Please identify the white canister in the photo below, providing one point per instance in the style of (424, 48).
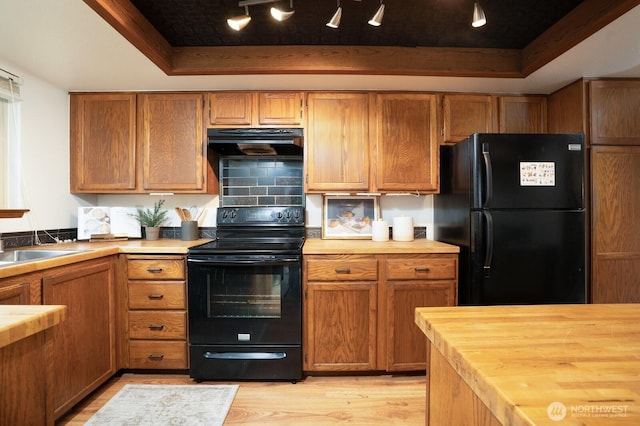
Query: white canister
(379, 230)
(403, 228)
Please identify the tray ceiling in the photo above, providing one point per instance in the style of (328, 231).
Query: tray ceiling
(417, 37)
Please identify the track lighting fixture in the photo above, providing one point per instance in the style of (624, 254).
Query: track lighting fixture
(335, 19)
(282, 15)
(239, 22)
(479, 18)
(377, 18)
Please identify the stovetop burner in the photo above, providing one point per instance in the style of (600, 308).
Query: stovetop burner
(256, 230)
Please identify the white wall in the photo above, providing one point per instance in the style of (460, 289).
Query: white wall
(45, 158)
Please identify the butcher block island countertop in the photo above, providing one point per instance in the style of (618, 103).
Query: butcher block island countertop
(20, 321)
(417, 246)
(533, 365)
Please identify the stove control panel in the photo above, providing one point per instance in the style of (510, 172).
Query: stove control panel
(286, 215)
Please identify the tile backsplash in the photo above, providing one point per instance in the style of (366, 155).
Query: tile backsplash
(261, 181)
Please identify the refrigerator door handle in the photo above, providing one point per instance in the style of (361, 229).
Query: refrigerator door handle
(489, 174)
(488, 254)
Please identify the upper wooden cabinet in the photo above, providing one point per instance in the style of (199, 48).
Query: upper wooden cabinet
(406, 143)
(337, 142)
(251, 109)
(464, 115)
(137, 143)
(614, 112)
(172, 142)
(522, 114)
(103, 142)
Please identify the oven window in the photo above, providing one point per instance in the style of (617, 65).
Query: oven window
(247, 292)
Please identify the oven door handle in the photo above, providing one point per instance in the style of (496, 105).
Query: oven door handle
(231, 262)
(244, 355)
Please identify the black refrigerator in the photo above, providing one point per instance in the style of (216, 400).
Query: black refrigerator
(515, 205)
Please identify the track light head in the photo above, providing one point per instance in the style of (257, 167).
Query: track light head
(282, 15)
(335, 19)
(479, 18)
(239, 22)
(377, 18)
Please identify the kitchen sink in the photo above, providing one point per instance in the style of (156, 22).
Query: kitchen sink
(18, 256)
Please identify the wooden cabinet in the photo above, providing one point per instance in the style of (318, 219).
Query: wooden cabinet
(406, 143)
(359, 309)
(172, 142)
(157, 311)
(251, 109)
(413, 281)
(614, 106)
(138, 143)
(337, 150)
(340, 313)
(103, 142)
(83, 344)
(615, 232)
(466, 114)
(522, 114)
(21, 290)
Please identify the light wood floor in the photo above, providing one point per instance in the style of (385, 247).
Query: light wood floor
(356, 400)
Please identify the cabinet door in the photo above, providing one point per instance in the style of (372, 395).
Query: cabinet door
(280, 108)
(407, 156)
(522, 114)
(337, 147)
(405, 342)
(230, 108)
(103, 142)
(21, 290)
(340, 326)
(172, 143)
(615, 229)
(464, 115)
(614, 112)
(85, 341)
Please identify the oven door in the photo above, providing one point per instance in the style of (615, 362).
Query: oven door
(248, 300)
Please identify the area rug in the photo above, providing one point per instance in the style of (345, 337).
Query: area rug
(159, 405)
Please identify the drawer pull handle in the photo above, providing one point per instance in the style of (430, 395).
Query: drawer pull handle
(154, 270)
(156, 327)
(343, 271)
(155, 296)
(423, 269)
(153, 357)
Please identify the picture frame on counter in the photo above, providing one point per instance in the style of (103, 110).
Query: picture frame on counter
(349, 217)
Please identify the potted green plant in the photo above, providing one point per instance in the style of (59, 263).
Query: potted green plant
(152, 219)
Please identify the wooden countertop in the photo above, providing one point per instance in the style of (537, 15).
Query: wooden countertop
(20, 321)
(417, 246)
(521, 359)
(93, 250)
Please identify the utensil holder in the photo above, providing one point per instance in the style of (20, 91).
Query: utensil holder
(189, 230)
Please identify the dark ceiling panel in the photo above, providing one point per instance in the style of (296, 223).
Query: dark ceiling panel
(512, 24)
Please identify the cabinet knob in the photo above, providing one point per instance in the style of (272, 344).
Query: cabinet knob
(155, 296)
(423, 269)
(156, 327)
(343, 271)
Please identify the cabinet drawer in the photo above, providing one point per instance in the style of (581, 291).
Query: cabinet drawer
(342, 270)
(417, 268)
(157, 354)
(157, 325)
(157, 295)
(156, 269)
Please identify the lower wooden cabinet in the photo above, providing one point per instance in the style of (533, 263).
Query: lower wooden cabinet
(157, 312)
(359, 309)
(21, 290)
(84, 344)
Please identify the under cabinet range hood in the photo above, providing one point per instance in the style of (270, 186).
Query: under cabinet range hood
(256, 141)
